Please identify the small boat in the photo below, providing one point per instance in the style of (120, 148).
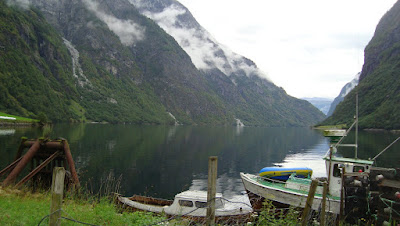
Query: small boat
(334, 133)
(281, 173)
(344, 174)
(189, 204)
(294, 191)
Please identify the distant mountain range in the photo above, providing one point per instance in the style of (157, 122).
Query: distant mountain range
(142, 62)
(379, 84)
(323, 104)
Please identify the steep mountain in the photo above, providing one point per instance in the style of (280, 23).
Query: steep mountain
(243, 87)
(106, 61)
(345, 90)
(322, 104)
(379, 86)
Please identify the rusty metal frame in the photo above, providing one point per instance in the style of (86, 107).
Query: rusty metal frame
(59, 146)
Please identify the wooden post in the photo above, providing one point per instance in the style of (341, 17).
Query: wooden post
(323, 204)
(57, 189)
(310, 199)
(212, 189)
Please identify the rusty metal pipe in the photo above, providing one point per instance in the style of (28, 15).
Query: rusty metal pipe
(10, 167)
(71, 163)
(37, 169)
(21, 164)
(50, 144)
(21, 148)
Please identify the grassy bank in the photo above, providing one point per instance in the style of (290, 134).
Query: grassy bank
(25, 208)
(18, 119)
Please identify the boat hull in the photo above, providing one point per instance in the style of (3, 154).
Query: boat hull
(161, 206)
(259, 192)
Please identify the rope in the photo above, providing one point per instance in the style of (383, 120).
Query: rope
(391, 205)
(66, 218)
(385, 149)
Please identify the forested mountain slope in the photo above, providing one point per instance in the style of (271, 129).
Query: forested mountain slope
(379, 86)
(104, 61)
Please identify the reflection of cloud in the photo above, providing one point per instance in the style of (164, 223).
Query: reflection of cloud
(311, 158)
(128, 31)
(202, 48)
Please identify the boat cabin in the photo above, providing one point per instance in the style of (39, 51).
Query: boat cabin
(335, 166)
(187, 201)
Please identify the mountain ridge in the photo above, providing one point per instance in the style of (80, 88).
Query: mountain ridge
(124, 68)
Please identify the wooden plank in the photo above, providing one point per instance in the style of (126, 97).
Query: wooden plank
(57, 190)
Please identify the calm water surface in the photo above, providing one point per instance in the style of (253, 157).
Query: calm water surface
(161, 161)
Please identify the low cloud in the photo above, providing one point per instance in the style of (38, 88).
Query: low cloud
(202, 48)
(128, 31)
(25, 4)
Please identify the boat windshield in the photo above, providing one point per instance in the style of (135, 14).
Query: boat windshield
(218, 204)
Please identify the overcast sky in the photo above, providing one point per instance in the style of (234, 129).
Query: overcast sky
(311, 48)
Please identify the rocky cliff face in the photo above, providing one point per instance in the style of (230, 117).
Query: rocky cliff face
(125, 68)
(379, 86)
(343, 93)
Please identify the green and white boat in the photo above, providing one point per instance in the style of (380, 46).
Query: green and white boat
(294, 191)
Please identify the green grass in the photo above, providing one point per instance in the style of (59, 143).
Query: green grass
(340, 126)
(18, 118)
(25, 208)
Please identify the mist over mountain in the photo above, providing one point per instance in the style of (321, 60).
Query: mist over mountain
(343, 92)
(379, 86)
(145, 62)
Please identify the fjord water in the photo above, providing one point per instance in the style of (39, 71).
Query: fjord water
(161, 161)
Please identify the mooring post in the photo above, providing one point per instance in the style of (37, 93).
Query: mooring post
(310, 199)
(57, 190)
(21, 164)
(212, 189)
(323, 204)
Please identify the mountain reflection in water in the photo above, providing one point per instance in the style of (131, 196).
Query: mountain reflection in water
(162, 161)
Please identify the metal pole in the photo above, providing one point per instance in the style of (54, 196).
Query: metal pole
(37, 169)
(20, 148)
(356, 147)
(212, 189)
(70, 162)
(21, 164)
